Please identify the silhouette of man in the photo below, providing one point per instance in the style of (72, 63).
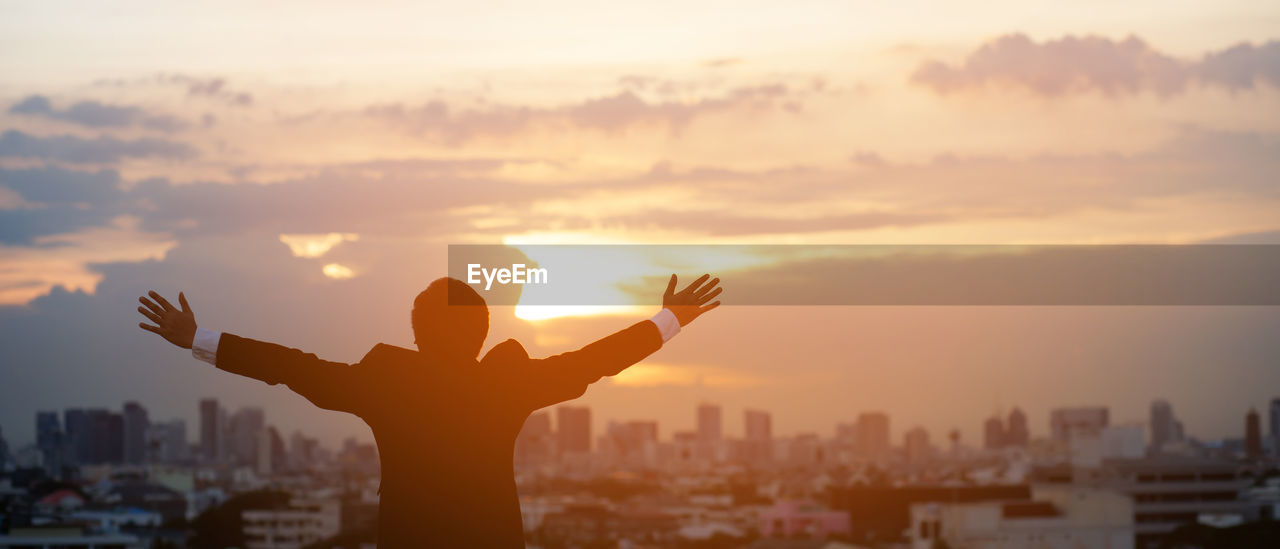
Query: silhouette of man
(445, 423)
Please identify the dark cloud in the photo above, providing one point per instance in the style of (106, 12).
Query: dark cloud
(387, 198)
(609, 113)
(58, 201)
(78, 150)
(93, 114)
(1073, 64)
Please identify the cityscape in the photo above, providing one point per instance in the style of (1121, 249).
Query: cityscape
(120, 478)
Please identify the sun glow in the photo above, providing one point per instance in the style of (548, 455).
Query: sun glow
(338, 271)
(315, 245)
(658, 375)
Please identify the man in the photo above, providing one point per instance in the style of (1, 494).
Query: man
(445, 422)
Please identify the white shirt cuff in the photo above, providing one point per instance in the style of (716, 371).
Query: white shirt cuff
(205, 345)
(667, 324)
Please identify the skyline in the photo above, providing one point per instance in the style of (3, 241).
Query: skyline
(717, 423)
(293, 165)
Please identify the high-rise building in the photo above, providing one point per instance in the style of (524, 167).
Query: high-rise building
(993, 433)
(271, 457)
(758, 443)
(1165, 427)
(4, 453)
(536, 440)
(685, 444)
(1252, 435)
(97, 437)
(75, 423)
(1086, 420)
(243, 431)
(302, 451)
(115, 438)
(49, 442)
(916, 446)
(634, 442)
(710, 425)
(758, 425)
(1122, 442)
(210, 430)
(167, 442)
(1016, 432)
(710, 431)
(643, 432)
(573, 429)
(1275, 424)
(847, 432)
(136, 424)
(873, 435)
(805, 450)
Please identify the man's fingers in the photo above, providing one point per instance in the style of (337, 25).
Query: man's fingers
(694, 286)
(150, 328)
(154, 308)
(182, 300)
(709, 307)
(162, 301)
(671, 286)
(150, 315)
(709, 296)
(706, 288)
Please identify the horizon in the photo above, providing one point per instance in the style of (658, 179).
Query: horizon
(600, 425)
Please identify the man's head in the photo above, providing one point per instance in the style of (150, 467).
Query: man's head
(450, 319)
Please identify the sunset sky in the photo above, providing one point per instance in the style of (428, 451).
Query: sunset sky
(299, 168)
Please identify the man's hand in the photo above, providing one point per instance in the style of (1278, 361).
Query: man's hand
(176, 326)
(691, 302)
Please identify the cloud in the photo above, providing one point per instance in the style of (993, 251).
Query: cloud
(315, 245)
(719, 223)
(93, 114)
(66, 259)
(609, 113)
(53, 201)
(206, 87)
(337, 271)
(441, 199)
(721, 62)
(1074, 64)
(215, 88)
(78, 150)
(1233, 166)
(1240, 66)
(368, 197)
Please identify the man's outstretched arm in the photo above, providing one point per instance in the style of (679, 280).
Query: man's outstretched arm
(566, 376)
(329, 385)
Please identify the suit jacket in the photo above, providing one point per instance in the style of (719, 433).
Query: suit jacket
(445, 431)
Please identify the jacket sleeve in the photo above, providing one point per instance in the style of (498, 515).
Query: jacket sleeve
(329, 385)
(565, 376)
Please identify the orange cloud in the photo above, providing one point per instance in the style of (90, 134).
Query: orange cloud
(1072, 64)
